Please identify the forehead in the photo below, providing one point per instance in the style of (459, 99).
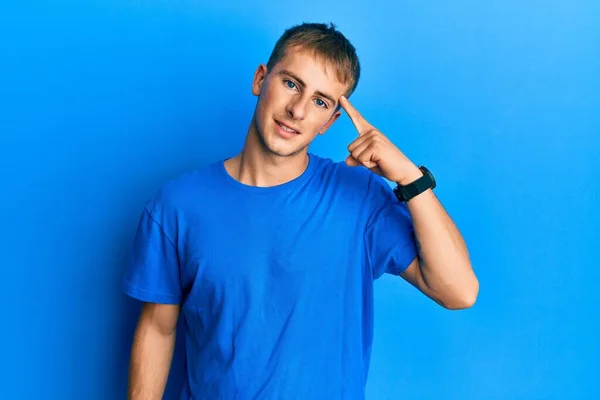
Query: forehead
(316, 72)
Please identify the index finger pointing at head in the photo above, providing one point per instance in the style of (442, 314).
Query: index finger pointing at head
(359, 122)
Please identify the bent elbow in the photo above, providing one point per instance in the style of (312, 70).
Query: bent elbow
(466, 299)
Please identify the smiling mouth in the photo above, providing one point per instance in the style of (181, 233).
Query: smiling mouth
(286, 128)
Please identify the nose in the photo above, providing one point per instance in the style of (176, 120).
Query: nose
(296, 108)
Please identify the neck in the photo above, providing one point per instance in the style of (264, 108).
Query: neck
(257, 166)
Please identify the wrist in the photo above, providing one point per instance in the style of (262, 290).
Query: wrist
(410, 176)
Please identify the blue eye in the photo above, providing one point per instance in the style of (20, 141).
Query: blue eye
(291, 85)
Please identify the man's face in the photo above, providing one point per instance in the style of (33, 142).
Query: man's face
(297, 101)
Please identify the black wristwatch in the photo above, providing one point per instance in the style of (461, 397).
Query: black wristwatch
(407, 192)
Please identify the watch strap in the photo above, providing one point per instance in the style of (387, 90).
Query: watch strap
(407, 192)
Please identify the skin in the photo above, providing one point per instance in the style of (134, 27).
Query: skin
(442, 270)
(152, 351)
(296, 93)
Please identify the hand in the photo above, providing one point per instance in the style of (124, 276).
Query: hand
(376, 152)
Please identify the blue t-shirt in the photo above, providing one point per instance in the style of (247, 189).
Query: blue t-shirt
(276, 283)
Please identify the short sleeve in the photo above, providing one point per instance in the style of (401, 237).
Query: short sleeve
(389, 235)
(152, 272)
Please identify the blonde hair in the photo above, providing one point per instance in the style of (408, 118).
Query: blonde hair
(327, 43)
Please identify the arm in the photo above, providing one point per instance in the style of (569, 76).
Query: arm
(442, 270)
(152, 351)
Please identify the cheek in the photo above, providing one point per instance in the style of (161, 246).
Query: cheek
(265, 102)
(321, 119)
(272, 94)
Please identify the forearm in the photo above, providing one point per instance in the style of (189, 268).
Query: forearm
(444, 258)
(151, 358)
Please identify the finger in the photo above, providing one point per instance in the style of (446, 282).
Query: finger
(359, 122)
(376, 170)
(357, 142)
(352, 162)
(365, 155)
(359, 149)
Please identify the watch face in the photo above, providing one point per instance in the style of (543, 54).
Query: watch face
(429, 174)
(433, 184)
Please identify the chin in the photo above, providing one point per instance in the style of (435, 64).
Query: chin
(285, 150)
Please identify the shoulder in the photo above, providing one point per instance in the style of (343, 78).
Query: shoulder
(185, 189)
(358, 180)
(343, 174)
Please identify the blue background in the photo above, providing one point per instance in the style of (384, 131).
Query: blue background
(102, 102)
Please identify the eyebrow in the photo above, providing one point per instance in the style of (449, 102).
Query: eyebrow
(301, 82)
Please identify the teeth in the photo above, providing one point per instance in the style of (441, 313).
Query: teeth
(285, 128)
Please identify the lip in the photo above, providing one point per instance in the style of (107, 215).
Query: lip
(288, 126)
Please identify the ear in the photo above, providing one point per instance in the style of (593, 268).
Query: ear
(330, 122)
(259, 78)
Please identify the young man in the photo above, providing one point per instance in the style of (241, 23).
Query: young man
(270, 256)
